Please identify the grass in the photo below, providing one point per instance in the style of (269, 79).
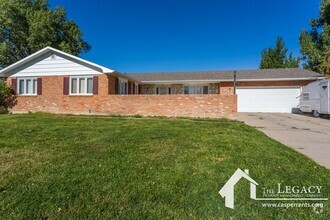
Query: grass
(79, 167)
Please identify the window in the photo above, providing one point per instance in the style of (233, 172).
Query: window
(205, 90)
(196, 89)
(186, 90)
(123, 86)
(163, 90)
(305, 96)
(27, 86)
(81, 85)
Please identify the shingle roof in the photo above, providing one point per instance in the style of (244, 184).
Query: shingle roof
(227, 75)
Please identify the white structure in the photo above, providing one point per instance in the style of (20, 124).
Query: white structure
(227, 191)
(52, 62)
(268, 99)
(315, 98)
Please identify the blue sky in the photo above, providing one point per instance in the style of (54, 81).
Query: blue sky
(184, 35)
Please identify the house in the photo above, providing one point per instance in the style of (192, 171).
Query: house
(53, 81)
(227, 191)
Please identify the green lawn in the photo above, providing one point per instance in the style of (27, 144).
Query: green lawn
(77, 167)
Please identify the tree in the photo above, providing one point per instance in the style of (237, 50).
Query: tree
(325, 67)
(27, 26)
(315, 44)
(276, 57)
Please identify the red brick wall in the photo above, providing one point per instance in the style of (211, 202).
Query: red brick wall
(52, 100)
(174, 105)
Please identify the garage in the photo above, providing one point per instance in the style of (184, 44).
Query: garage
(268, 99)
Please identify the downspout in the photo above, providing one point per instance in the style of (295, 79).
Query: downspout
(235, 82)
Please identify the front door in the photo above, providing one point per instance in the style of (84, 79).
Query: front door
(324, 97)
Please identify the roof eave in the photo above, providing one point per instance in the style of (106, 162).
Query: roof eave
(23, 61)
(44, 51)
(120, 75)
(229, 80)
(277, 79)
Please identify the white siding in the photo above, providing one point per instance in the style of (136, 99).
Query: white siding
(55, 65)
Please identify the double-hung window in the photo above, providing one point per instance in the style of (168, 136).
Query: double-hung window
(81, 85)
(196, 89)
(27, 86)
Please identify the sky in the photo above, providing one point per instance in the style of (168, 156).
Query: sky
(133, 36)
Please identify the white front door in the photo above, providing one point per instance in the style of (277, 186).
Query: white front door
(268, 99)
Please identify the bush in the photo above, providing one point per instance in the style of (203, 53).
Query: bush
(3, 110)
(7, 98)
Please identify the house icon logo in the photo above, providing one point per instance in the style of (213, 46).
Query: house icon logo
(227, 191)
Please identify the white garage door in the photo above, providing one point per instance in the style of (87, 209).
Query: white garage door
(269, 99)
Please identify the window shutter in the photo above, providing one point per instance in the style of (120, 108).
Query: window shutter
(134, 92)
(95, 85)
(116, 85)
(39, 86)
(14, 85)
(66, 85)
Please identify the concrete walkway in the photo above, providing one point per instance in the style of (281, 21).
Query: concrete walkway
(307, 135)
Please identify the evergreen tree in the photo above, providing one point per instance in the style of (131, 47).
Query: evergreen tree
(275, 57)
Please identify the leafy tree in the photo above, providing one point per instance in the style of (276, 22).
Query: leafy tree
(276, 57)
(315, 44)
(325, 67)
(27, 26)
(7, 97)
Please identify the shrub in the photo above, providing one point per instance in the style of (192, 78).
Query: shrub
(3, 110)
(7, 98)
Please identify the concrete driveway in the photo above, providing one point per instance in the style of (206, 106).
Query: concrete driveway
(307, 135)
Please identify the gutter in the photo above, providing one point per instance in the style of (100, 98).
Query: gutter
(231, 80)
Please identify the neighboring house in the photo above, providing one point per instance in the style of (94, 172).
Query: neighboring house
(53, 81)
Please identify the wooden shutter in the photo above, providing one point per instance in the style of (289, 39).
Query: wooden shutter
(95, 85)
(66, 85)
(14, 85)
(39, 86)
(134, 92)
(116, 85)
